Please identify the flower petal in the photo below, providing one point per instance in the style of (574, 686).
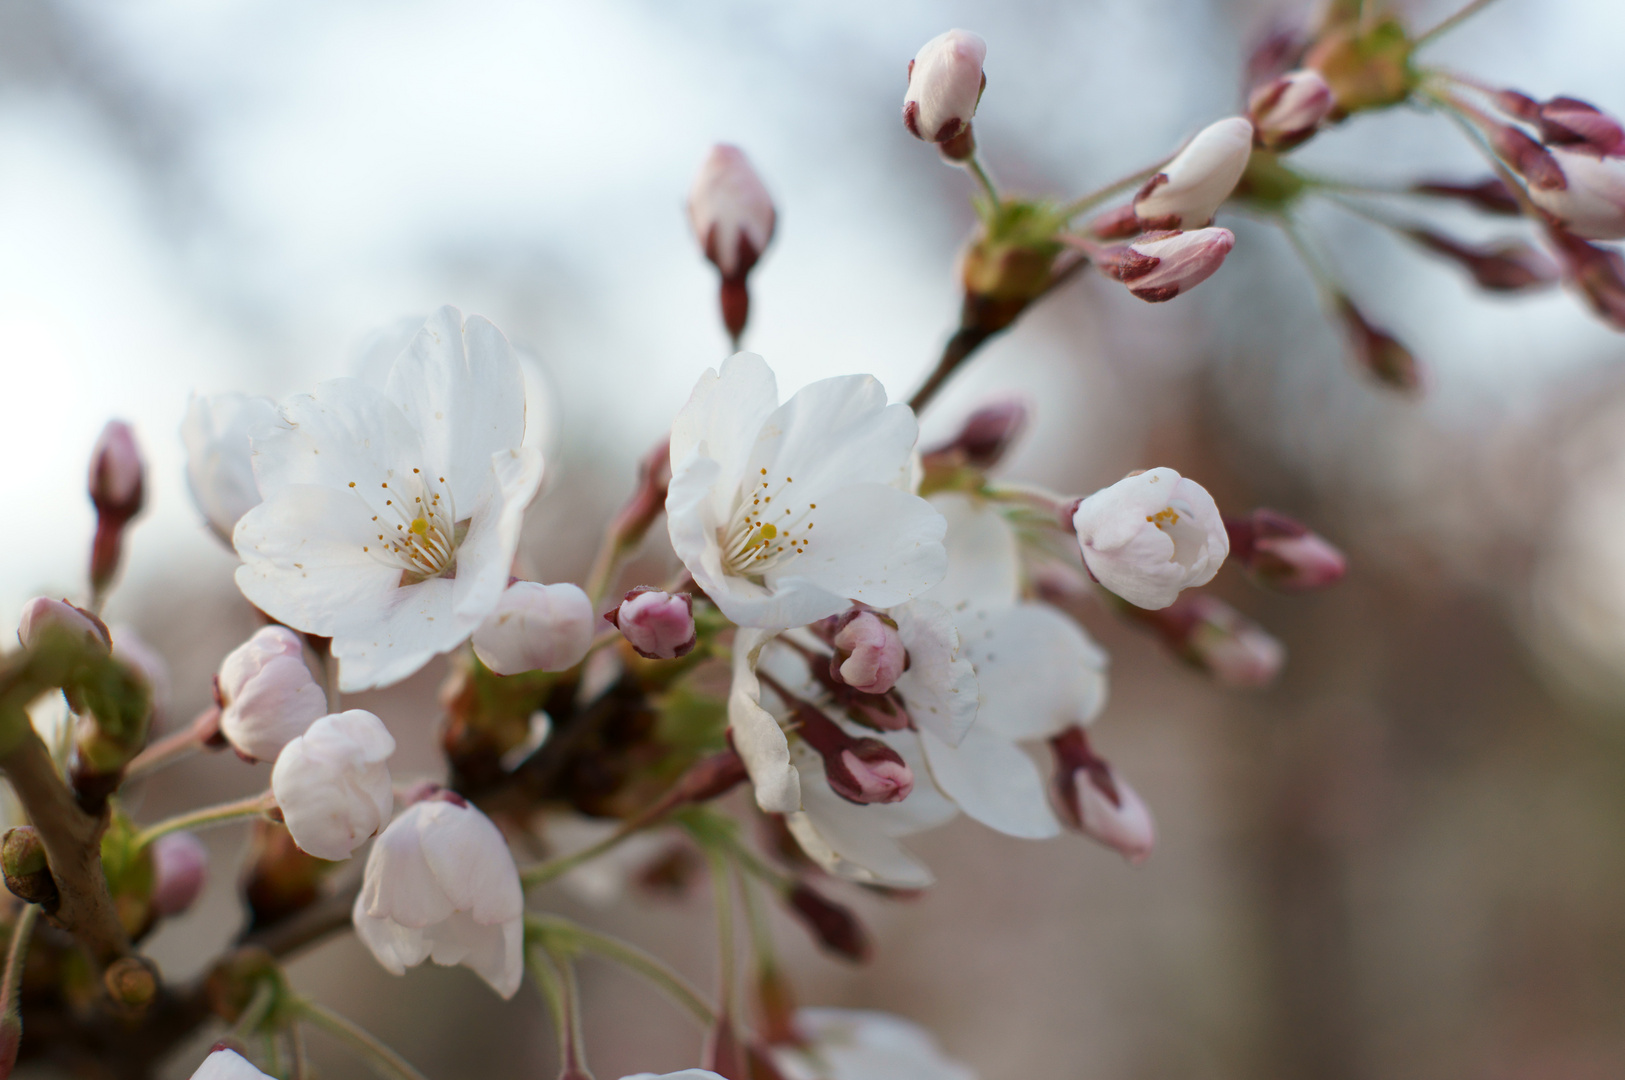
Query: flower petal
(757, 737)
(1037, 672)
(486, 555)
(724, 415)
(993, 781)
(833, 433)
(984, 560)
(875, 544)
(940, 686)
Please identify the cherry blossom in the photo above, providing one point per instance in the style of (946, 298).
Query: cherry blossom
(219, 461)
(332, 785)
(1150, 535)
(536, 627)
(267, 695)
(945, 84)
(1188, 190)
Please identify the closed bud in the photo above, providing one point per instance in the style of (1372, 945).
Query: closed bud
(1150, 535)
(1566, 121)
(869, 653)
(1161, 265)
(1598, 273)
(1377, 351)
(945, 83)
(332, 783)
(1528, 159)
(1287, 110)
(1282, 553)
(863, 770)
(180, 867)
(266, 694)
(1590, 200)
(42, 616)
(1187, 192)
(834, 925)
(1490, 195)
(116, 490)
(658, 625)
(983, 439)
(27, 871)
(732, 216)
(536, 627)
(1513, 266)
(1096, 801)
(1209, 634)
(132, 982)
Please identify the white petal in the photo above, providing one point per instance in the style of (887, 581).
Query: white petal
(757, 736)
(219, 462)
(993, 781)
(834, 433)
(1037, 671)
(342, 432)
(940, 686)
(724, 414)
(495, 953)
(874, 544)
(228, 1065)
(398, 885)
(984, 560)
(470, 860)
(486, 555)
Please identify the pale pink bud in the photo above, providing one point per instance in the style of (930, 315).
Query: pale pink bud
(1591, 200)
(1287, 110)
(945, 83)
(266, 694)
(1161, 265)
(656, 624)
(226, 1064)
(1234, 649)
(862, 770)
(1187, 192)
(536, 627)
(1096, 801)
(1282, 553)
(180, 865)
(332, 784)
(1566, 121)
(730, 211)
(1148, 536)
(116, 472)
(984, 437)
(42, 613)
(869, 652)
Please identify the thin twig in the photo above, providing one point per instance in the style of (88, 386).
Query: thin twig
(208, 817)
(1451, 22)
(1100, 195)
(16, 960)
(634, 959)
(384, 1061)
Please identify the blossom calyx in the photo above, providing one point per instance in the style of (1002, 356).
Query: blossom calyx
(535, 627)
(180, 867)
(266, 694)
(657, 624)
(1096, 801)
(43, 617)
(332, 783)
(1150, 535)
(945, 83)
(1566, 121)
(1283, 553)
(862, 770)
(1159, 266)
(1188, 190)
(1366, 66)
(869, 653)
(1287, 110)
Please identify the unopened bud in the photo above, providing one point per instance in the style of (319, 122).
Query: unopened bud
(658, 625)
(1379, 352)
(1288, 110)
(1598, 273)
(1490, 195)
(42, 615)
(1150, 535)
(180, 866)
(705, 780)
(983, 439)
(1211, 635)
(116, 490)
(1098, 802)
(536, 627)
(1188, 190)
(1161, 265)
(267, 694)
(1528, 159)
(861, 770)
(1566, 121)
(1514, 266)
(131, 981)
(834, 925)
(1282, 553)
(869, 653)
(1590, 200)
(732, 217)
(27, 871)
(945, 83)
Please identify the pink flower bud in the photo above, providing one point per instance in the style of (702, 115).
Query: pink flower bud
(984, 438)
(1566, 121)
(1377, 351)
(1150, 535)
(1161, 265)
(180, 865)
(42, 613)
(945, 83)
(732, 217)
(834, 925)
(858, 770)
(1098, 802)
(1491, 195)
(1282, 553)
(1527, 158)
(1598, 273)
(1234, 649)
(1189, 189)
(266, 694)
(656, 624)
(332, 783)
(1514, 266)
(869, 653)
(536, 627)
(1287, 111)
(116, 472)
(1590, 201)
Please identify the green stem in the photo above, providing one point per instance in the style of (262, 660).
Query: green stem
(542, 873)
(16, 960)
(208, 817)
(1451, 22)
(761, 933)
(259, 1007)
(974, 165)
(722, 887)
(1473, 123)
(1325, 283)
(1100, 195)
(635, 960)
(301, 1060)
(384, 1061)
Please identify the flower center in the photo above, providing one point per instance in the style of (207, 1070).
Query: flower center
(1189, 540)
(767, 530)
(417, 525)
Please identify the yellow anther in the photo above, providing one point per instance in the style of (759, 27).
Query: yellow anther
(1164, 518)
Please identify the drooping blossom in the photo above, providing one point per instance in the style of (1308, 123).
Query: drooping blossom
(266, 693)
(1288, 109)
(1188, 190)
(219, 458)
(657, 624)
(224, 1064)
(1150, 535)
(180, 866)
(786, 514)
(440, 885)
(853, 1044)
(391, 518)
(536, 627)
(945, 83)
(1159, 266)
(332, 783)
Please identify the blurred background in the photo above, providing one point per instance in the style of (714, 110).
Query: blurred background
(1406, 860)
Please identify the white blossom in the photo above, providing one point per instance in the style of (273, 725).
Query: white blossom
(853, 1044)
(219, 458)
(226, 1064)
(332, 785)
(945, 84)
(440, 885)
(1188, 190)
(391, 518)
(1148, 536)
(786, 514)
(267, 695)
(536, 627)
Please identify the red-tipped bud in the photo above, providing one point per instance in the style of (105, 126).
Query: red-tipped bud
(1598, 273)
(945, 83)
(862, 770)
(1590, 200)
(116, 481)
(180, 866)
(984, 438)
(869, 653)
(1279, 552)
(42, 614)
(1096, 801)
(1490, 195)
(1160, 266)
(1514, 266)
(1210, 634)
(1189, 189)
(1377, 351)
(1566, 121)
(834, 925)
(1287, 110)
(733, 218)
(656, 624)
(1528, 159)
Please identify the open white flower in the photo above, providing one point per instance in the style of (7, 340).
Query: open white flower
(786, 514)
(219, 458)
(332, 784)
(441, 885)
(1151, 535)
(391, 517)
(854, 1044)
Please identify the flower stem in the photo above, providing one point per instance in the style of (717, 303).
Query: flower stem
(974, 166)
(722, 888)
(1473, 123)
(258, 1008)
(1451, 22)
(176, 745)
(301, 1061)
(384, 1061)
(207, 817)
(552, 928)
(1100, 195)
(11, 1016)
(542, 873)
